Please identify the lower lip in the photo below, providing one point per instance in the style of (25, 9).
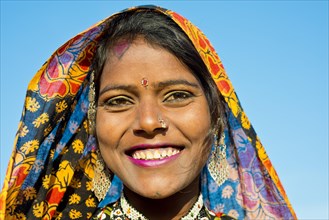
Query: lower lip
(153, 163)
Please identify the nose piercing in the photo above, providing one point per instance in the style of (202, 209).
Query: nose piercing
(144, 82)
(162, 122)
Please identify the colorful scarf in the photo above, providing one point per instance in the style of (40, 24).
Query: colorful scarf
(51, 168)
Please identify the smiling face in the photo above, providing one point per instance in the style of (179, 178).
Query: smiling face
(152, 160)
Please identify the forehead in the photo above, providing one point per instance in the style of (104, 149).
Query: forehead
(137, 60)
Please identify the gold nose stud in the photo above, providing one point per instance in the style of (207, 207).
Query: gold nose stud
(163, 123)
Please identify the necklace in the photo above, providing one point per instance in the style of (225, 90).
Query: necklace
(132, 213)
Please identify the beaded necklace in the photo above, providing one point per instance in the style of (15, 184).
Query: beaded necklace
(131, 213)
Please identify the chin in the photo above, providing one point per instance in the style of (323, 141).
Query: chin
(154, 190)
(160, 188)
(157, 195)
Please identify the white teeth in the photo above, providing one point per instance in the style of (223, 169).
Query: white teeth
(154, 154)
(142, 155)
(149, 155)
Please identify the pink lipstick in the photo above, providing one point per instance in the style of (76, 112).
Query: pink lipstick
(152, 163)
(153, 155)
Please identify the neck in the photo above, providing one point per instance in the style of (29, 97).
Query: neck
(172, 207)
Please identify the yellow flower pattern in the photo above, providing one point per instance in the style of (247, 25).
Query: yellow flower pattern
(78, 146)
(23, 130)
(29, 193)
(58, 216)
(75, 214)
(89, 185)
(51, 153)
(85, 125)
(47, 130)
(74, 199)
(64, 151)
(38, 209)
(90, 202)
(45, 181)
(89, 215)
(31, 104)
(75, 183)
(43, 118)
(61, 106)
(30, 146)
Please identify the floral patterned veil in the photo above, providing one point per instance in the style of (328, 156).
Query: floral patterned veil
(51, 168)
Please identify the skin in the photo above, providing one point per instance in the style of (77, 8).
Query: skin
(128, 115)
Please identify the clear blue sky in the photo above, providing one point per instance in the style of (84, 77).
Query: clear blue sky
(275, 52)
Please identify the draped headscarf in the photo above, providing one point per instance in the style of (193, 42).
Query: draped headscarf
(50, 171)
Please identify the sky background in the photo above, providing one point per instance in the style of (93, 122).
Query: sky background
(275, 53)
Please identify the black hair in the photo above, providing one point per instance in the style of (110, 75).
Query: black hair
(160, 30)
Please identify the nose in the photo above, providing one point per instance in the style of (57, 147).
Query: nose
(149, 120)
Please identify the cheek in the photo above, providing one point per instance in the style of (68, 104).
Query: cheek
(108, 133)
(195, 122)
(102, 126)
(195, 125)
(107, 129)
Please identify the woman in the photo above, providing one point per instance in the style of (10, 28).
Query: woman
(125, 121)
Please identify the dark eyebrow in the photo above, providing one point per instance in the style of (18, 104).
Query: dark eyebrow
(176, 82)
(159, 85)
(117, 87)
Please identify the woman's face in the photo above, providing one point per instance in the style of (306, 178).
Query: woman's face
(153, 160)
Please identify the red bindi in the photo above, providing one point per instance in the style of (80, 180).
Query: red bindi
(144, 82)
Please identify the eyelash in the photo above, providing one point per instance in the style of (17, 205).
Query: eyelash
(120, 103)
(181, 96)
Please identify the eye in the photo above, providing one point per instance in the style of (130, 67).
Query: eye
(118, 103)
(178, 97)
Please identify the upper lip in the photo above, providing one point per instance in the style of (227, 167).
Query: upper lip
(152, 146)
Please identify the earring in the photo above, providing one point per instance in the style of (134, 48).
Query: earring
(217, 164)
(92, 105)
(101, 181)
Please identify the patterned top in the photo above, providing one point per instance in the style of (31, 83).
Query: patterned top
(115, 212)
